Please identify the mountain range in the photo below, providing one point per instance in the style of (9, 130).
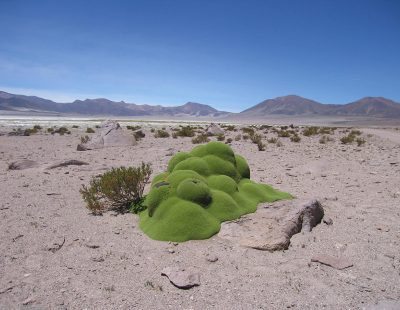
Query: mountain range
(291, 105)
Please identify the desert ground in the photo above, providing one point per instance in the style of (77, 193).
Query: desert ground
(54, 254)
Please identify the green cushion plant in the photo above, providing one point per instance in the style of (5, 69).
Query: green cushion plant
(200, 190)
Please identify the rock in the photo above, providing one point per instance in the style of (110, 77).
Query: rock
(328, 221)
(337, 263)
(211, 258)
(183, 278)
(214, 130)
(22, 164)
(110, 134)
(71, 162)
(271, 228)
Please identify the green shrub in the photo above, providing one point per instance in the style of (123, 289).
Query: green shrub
(295, 138)
(355, 132)
(161, 134)
(37, 127)
(248, 130)
(75, 126)
(255, 138)
(202, 138)
(89, 130)
(229, 140)
(186, 131)
(229, 127)
(152, 130)
(50, 129)
(30, 131)
(283, 134)
(347, 139)
(61, 131)
(310, 131)
(119, 189)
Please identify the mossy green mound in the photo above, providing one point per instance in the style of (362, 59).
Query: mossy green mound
(200, 190)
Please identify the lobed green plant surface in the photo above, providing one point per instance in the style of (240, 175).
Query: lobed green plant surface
(200, 190)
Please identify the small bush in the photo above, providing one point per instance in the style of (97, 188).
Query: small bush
(119, 189)
(360, 141)
(85, 139)
(246, 137)
(61, 131)
(152, 130)
(174, 135)
(228, 141)
(229, 127)
(283, 134)
(161, 134)
(186, 131)
(255, 138)
(238, 137)
(279, 143)
(261, 146)
(37, 127)
(50, 129)
(30, 131)
(90, 130)
(295, 138)
(97, 126)
(75, 126)
(133, 128)
(248, 130)
(327, 130)
(272, 140)
(310, 131)
(221, 137)
(139, 135)
(355, 132)
(203, 138)
(347, 139)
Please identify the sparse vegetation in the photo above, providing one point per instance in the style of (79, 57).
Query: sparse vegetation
(283, 134)
(202, 138)
(228, 141)
(161, 134)
(279, 143)
(261, 146)
(325, 139)
(310, 131)
(37, 127)
(133, 128)
(174, 135)
(152, 130)
(30, 131)
(347, 139)
(360, 141)
(272, 140)
(139, 135)
(295, 138)
(119, 189)
(229, 127)
(61, 131)
(238, 137)
(50, 129)
(85, 139)
(90, 130)
(75, 126)
(186, 131)
(220, 137)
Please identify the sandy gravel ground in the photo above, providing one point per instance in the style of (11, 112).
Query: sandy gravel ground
(106, 262)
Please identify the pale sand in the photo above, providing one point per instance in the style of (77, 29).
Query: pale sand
(39, 208)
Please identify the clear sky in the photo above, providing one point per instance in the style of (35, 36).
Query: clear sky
(225, 53)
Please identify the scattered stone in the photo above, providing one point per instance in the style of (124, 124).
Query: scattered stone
(70, 162)
(383, 305)
(56, 246)
(211, 258)
(328, 221)
(337, 263)
(171, 251)
(92, 246)
(110, 134)
(214, 130)
(22, 164)
(28, 301)
(183, 278)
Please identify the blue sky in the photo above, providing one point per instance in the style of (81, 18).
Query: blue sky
(228, 54)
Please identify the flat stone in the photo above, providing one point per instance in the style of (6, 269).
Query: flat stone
(183, 278)
(337, 263)
(271, 226)
(22, 164)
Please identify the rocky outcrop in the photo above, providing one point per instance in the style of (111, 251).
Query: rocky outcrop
(183, 278)
(110, 134)
(271, 226)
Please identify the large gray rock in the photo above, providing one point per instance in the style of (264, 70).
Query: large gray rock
(110, 134)
(184, 278)
(271, 226)
(214, 130)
